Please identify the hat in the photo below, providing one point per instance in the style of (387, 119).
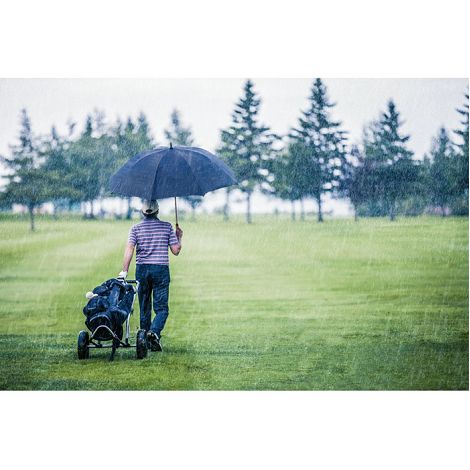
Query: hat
(149, 207)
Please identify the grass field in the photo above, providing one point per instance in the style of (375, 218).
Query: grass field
(272, 306)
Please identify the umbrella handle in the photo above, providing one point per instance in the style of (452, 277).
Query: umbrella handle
(176, 213)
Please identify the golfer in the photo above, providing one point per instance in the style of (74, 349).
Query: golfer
(152, 237)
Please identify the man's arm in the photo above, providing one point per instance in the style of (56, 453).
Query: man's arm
(176, 247)
(128, 253)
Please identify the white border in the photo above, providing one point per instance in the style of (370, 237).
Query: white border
(256, 38)
(234, 39)
(230, 430)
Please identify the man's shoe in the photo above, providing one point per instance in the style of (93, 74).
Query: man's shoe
(154, 341)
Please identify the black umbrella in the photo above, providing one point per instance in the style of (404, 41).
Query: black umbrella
(170, 172)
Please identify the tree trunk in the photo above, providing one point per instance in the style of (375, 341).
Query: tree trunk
(54, 210)
(31, 216)
(248, 208)
(193, 213)
(392, 211)
(292, 213)
(302, 210)
(443, 209)
(356, 217)
(129, 209)
(92, 209)
(226, 205)
(320, 213)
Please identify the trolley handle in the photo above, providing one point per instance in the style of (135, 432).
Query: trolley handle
(135, 282)
(130, 281)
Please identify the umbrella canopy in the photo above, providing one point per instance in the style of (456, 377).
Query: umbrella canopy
(171, 171)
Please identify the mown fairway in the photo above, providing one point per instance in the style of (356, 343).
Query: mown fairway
(276, 305)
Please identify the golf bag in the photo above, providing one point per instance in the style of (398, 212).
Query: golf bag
(110, 308)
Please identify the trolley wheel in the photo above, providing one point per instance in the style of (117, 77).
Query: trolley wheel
(83, 341)
(141, 344)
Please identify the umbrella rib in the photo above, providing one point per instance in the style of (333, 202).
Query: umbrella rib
(156, 154)
(155, 178)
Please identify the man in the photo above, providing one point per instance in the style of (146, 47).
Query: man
(152, 237)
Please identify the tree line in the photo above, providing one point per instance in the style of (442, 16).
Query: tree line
(379, 174)
(71, 169)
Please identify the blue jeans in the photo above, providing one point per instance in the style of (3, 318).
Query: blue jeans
(153, 279)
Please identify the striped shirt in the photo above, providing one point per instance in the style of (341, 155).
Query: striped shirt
(152, 237)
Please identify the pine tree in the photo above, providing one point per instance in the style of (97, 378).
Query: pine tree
(247, 146)
(143, 129)
(92, 158)
(442, 171)
(28, 183)
(57, 166)
(461, 180)
(317, 144)
(88, 130)
(177, 134)
(144, 136)
(392, 172)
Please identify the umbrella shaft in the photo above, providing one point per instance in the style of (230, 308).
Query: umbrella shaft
(176, 213)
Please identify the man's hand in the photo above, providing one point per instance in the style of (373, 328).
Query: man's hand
(176, 248)
(122, 275)
(179, 233)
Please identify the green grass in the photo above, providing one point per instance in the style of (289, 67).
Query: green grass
(276, 305)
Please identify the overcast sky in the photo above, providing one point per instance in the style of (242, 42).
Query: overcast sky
(206, 104)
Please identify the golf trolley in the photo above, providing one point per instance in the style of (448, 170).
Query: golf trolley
(105, 317)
